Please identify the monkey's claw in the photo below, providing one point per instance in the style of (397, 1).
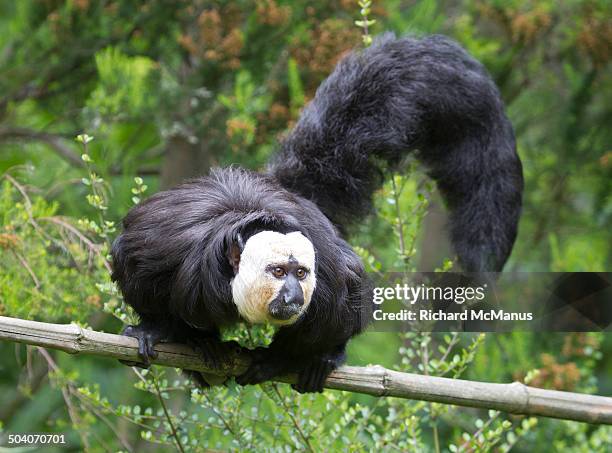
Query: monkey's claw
(147, 339)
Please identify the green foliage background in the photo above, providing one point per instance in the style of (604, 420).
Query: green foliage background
(169, 89)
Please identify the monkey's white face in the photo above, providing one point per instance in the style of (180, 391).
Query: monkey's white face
(275, 278)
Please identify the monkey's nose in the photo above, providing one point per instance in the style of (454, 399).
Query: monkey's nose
(286, 306)
(293, 299)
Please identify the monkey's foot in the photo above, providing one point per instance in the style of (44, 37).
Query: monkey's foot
(312, 378)
(263, 368)
(213, 351)
(147, 339)
(215, 354)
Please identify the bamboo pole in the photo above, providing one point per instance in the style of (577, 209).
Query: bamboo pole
(514, 398)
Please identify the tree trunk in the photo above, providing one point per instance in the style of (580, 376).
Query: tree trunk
(183, 160)
(434, 246)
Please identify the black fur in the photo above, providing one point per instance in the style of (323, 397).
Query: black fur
(399, 95)
(172, 267)
(171, 261)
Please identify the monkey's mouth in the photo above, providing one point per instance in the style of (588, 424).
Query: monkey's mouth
(284, 312)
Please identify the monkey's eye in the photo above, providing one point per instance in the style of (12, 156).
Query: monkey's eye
(278, 272)
(301, 273)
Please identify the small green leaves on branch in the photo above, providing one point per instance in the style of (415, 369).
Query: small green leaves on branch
(96, 197)
(84, 139)
(140, 189)
(365, 23)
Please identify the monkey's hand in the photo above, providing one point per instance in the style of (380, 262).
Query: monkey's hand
(312, 377)
(312, 371)
(148, 336)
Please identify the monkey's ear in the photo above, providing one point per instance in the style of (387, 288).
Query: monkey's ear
(234, 251)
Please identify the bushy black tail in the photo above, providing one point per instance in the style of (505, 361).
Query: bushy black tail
(399, 95)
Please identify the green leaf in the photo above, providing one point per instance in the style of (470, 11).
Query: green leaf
(84, 138)
(297, 98)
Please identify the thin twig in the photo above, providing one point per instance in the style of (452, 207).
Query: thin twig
(55, 142)
(94, 248)
(481, 430)
(296, 424)
(72, 412)
(177, 439)
(84, 400)
(27, 267)
(400, 225)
